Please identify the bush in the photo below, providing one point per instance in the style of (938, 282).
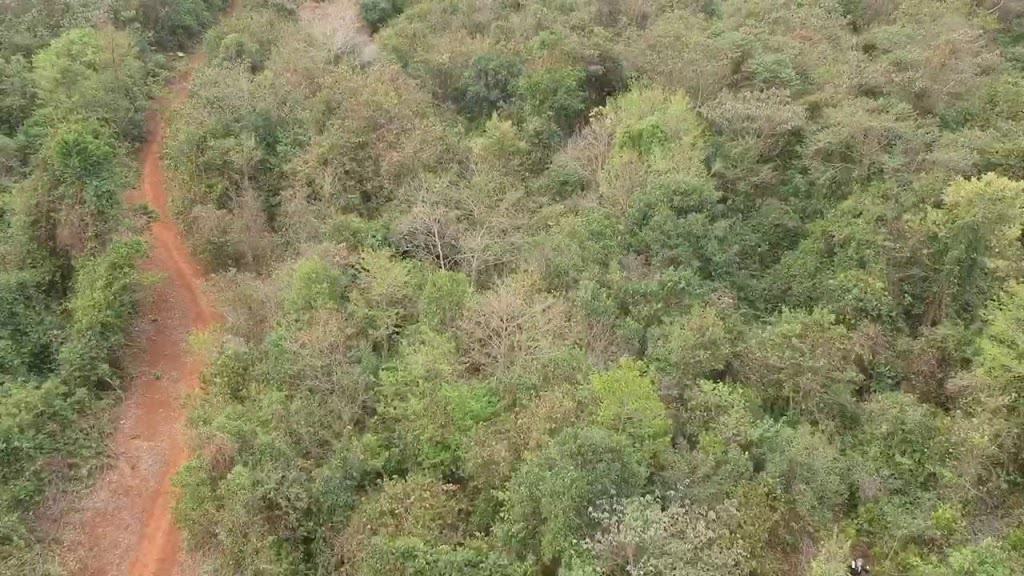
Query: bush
(104, 297)
(414, 557)
(28, 326)
(18, 96)
(802, 364)
(51, 436)
(86, 176)
(690, 348)
(315, 285)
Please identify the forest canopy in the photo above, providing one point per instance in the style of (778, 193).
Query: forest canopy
(618, 287)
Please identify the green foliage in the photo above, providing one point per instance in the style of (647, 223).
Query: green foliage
(979, 234)
(218, 156)
(489, 84)
(86, 176)
(430, 416)
(843, 263)
(101, 306)
(29, 326)
(28, 26)
(992, 391)
(246, 490)
(556, 95)
(377, 13)
(18, 95)
(95, 76)
(315, 285)
(50, 435)
(383, 298)
(661, 128)
(695, 346)
(721, 410)
(466, 238)
(832, 559)
(417, 508)
(811, 471)
(991, 557)
(444, 296)
(246, 40)
(803, 364)
(413, 557)
(906, 449)
(863, 141)
(626, 402)
(548, 499)
(174, 24)
(1000, 345)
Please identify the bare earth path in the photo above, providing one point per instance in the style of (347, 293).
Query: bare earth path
(125, 525)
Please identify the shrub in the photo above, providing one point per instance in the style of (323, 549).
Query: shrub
(28, 324)
(803, 364)
(17, 97)
(101, 306)
(693, 347)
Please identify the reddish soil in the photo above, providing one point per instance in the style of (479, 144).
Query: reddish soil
(124, 525)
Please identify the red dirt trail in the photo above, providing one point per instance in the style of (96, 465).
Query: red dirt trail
(124, 525)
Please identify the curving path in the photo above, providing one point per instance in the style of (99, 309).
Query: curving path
(125, 524)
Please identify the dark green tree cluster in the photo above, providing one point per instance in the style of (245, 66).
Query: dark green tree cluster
(73, 95)
(612, 287)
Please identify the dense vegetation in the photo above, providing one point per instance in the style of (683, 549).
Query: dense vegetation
(613, 287)
(532, 287)
(73, 93)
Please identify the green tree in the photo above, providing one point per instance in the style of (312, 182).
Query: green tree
(92, 76)
(547, 502)
(489, 84)
(18, 95)
(378, 12)
(555, 95)
(85, 175)
(174, 23)
(803, 363)
(693, 347)
(977, 235)
(627, 402)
